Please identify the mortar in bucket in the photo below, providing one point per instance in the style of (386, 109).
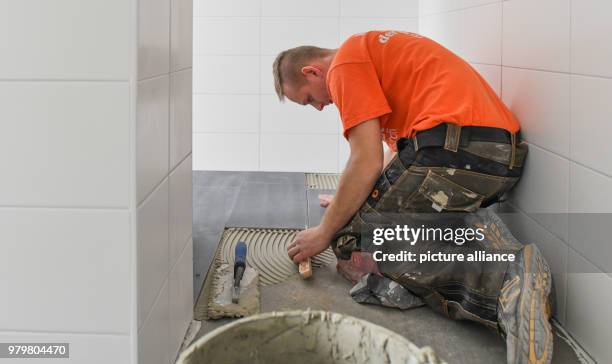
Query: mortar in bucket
(298, 337)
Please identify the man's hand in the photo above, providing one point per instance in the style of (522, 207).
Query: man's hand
(308, 243)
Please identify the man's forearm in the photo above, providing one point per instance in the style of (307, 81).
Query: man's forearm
(355, 185)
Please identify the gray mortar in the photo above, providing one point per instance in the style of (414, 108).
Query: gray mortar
(221, 304)
(305, 337)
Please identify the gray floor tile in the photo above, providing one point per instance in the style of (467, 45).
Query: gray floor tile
(219, 178)
(315, 211)
(270, 205)
(276, 177)
(212, 206)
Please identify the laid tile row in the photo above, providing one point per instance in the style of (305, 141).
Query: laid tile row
(567, 36)
(268, 36)
(266, 152)
(318, 8)
(164, 37)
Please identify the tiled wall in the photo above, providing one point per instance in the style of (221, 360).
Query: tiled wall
(65, 197)
(550, 61)
(163, 178)
(95, 194)
(239, 124)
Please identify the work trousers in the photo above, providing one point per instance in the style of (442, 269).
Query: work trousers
(456, 178)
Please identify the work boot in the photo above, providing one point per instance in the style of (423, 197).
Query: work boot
(525, 309)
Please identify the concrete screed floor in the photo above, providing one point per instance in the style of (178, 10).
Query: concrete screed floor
(281, 200)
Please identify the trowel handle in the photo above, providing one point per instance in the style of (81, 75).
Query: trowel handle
(240, 256)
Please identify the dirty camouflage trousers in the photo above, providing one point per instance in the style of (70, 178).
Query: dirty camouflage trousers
(451, 178)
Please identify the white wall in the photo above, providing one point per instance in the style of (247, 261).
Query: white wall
(550, 62)
(239, 124)
(95, 194)
(163, 178)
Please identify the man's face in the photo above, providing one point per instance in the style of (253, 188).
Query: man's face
(312, 91)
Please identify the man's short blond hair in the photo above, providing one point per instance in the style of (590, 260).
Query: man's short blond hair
(288, 65)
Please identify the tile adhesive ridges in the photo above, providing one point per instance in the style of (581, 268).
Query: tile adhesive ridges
(266, 252)
(322, 181)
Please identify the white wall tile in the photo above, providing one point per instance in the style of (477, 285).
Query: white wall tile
(278, 34)
(536, 34)
(381, 8)
(590, 191)
(427, 7)
(180, 208)
(67, 270)
(541, 102)
(226, 113)
(591, 128)
(266, 77)
(350, 26)
(591, 28)
(226, 152)
(470, 3)
(181, 298)
(152, 141)
(226, 36)
(153, 248)
(226, 74)
(481, 29)
(153, 337)
(227, 8)
(444, 28)
(153, 38)
(315, 8)
(180, 115)
(543, 190)
(590, 206)
(492, 74)
(554, 250)
(588, 295)
(108, 348)
(299, 153)
(289, 117)
(64, 144)
(66, 39)
(181, 34)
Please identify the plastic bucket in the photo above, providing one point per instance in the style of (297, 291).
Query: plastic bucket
(297, 337)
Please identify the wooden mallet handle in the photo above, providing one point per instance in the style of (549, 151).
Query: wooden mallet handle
(305, 268)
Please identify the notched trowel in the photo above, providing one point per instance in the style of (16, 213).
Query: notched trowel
(235, 291)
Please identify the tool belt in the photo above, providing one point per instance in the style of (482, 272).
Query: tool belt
(451, 136)
(486, 142)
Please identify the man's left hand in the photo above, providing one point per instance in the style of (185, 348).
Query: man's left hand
(308, 243)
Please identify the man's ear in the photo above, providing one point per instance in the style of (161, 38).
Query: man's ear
(311, 71)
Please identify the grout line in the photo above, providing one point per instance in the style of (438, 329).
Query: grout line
(64, 333)
(464, 8)
(327, 17)
(501, 56)
(603, 174)
(259, 89)
(60, 80)
(266, 133)
(567, 243)
(64, 208)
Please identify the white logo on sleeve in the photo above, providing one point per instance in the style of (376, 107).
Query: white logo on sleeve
(383, 38)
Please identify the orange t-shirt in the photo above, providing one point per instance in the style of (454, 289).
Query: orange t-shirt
(410, 83)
